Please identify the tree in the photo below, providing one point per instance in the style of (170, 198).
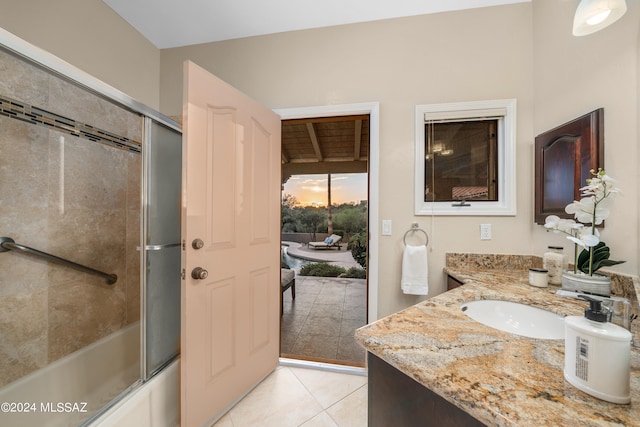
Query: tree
(290, 219)
(311, 219)
(358, 247)
(351, 219)
(289, 201)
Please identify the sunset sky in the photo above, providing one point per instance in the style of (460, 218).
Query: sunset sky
(311, 190)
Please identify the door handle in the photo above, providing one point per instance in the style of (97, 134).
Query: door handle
(197, 244)
(199, 273)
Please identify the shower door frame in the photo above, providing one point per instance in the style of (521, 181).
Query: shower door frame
(62, 69)
(146, 249)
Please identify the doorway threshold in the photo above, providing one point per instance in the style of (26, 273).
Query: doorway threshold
(322, 366)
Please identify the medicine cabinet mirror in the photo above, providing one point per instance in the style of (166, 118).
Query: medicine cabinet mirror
(564, 157)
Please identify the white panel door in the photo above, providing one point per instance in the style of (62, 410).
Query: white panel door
(231, 203)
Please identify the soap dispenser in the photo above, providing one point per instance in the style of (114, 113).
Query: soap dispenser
(597, 354)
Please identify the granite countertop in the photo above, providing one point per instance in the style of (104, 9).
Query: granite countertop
(499, 378)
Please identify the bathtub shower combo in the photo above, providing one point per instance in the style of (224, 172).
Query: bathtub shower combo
(89, 244)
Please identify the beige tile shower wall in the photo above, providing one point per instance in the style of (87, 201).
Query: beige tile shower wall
(76, 199)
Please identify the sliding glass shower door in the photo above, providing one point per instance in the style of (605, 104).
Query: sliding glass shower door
(161, 252)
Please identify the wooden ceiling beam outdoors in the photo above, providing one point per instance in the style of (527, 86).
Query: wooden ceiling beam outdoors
(357, 139)
(326, 119)
(327, 160)
(290, 169)
(314, 141)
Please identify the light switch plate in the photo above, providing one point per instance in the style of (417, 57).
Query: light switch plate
(386, 227)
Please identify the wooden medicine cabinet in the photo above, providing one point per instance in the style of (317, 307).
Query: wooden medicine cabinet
(564, 157)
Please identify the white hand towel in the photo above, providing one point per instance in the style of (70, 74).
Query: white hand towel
(415, 270)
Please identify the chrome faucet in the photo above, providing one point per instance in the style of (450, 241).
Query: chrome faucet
(619, 309)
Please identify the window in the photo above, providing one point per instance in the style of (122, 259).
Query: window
(465, 158)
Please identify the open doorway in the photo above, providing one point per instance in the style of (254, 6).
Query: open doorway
(325, 221)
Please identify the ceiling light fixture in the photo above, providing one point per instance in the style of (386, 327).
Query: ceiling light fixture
(594, 15)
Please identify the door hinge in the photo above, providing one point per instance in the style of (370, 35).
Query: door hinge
(183, 274)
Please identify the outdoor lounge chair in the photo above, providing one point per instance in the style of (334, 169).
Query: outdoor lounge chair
(330, 242)
(287, 280)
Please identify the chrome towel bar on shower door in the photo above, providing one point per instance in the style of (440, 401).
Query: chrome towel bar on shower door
(7, 244)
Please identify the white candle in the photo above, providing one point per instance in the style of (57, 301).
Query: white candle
(538, 277)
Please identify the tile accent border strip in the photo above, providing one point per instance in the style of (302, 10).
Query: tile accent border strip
(30, 114)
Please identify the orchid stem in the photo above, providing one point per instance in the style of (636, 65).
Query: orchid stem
(593, 232)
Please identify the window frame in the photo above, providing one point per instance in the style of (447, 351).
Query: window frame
(506, 203)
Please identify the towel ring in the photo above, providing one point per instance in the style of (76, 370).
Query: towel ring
(413, 229)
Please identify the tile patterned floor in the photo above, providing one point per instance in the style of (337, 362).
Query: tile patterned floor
(319, 324)
(292, 397)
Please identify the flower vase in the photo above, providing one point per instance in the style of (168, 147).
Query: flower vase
(597, 284)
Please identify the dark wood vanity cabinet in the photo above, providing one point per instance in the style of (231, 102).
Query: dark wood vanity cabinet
(453, 283)
(399, 401)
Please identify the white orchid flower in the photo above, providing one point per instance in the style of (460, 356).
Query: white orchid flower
(551, 221)
(585, 241)
(608, 183)
(569, 225)
(590, 240)
(601, 186)
(583, 210)
(593, 231)
(592, 209)
(577, 242)
(556, 223)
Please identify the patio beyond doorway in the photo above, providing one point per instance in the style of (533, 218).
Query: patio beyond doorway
(320, 323)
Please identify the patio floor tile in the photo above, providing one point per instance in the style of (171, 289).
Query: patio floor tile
(320, 322)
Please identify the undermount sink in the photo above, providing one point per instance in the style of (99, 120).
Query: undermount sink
(516, 318)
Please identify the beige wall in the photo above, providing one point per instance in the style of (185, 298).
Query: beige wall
(523, 51)
(462, 56)
(576, 75)
(91, 36)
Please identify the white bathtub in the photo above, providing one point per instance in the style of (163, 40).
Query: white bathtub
(69, 390)
(154, 404)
